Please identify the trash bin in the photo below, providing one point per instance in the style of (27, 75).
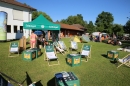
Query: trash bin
(29, 55)
(69, 80)
(74, 59)
(113, 55)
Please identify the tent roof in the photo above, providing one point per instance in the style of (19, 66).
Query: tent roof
(41, 23)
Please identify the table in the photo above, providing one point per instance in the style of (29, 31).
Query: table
(29, 55)
(74, 59)
(113, 55)
(38, 51)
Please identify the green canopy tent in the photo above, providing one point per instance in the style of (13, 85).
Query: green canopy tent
(41, 23)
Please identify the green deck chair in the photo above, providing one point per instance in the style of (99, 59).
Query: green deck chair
(50, 55)
(63, 46)
(13, 49)
(86, 52)
(124, 61)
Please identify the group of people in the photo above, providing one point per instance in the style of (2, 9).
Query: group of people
(35, 40)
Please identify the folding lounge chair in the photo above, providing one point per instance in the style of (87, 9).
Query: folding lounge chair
(74, 46)
(50, 55)
(63, 46)
(86, 52)
(13, 48)
(124, 61)
(58, 48)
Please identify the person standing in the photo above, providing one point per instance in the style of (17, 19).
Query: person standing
(33, 40)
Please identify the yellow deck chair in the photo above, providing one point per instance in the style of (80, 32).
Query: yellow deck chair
(50, 55)
(63, 46)
(13, 49)
(124, 61)
(85, 52)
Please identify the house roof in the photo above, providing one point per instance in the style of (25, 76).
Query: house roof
(14, 2)
(67, 26)
(78, 25)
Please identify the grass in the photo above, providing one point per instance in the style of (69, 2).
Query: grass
(98, 71)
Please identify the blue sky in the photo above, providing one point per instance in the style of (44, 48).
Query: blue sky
(61, 9)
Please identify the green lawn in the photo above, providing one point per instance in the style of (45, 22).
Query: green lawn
(98, 71)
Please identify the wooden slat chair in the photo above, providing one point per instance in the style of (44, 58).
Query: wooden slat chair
(86, 52)
(124, 61)
(73, 46)
(13, 48)
(50, 55)
(58, 48)
(63, 46)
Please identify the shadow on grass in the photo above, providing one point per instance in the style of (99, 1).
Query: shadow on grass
(104, 55)
(29, 81)
(51, 82)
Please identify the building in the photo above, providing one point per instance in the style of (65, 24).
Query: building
(71, 30)
(15, 14)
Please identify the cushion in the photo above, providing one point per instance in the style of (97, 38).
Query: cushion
(84, 52)
(51, 55)
(15, 49)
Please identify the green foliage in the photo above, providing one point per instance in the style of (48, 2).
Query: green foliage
(127, 27)
(77, 19)
(104, 22)
(90, 27)
(117, 29)
(35, 14)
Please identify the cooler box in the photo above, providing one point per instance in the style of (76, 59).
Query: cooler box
(67, 79)
(38, 51)
(74, 59)
(113, 55)
(29, 55)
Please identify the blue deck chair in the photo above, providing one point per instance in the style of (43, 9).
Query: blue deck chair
(13, 48)
(58, 48)
(50, 55)
(73, 46)
(124, 61)
(63, 46)
(86, 52)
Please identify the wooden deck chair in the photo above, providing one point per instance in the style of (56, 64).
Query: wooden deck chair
(124, 61)
(58, 48)
(73, 46)
(13, 48)
(86, 52)
(63, 46)
(50, 55)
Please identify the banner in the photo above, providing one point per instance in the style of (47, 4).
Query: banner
(3, 25)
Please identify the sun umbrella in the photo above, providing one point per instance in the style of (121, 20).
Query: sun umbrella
(38, 32)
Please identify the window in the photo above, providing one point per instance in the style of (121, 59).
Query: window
(17, 14)
(15, 29)
(8, 28)
(21, 29)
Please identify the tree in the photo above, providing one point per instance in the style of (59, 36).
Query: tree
(118, 29)
(104, 22)
(127, 27)
(90, 27)
(35, 14)
(76, 19)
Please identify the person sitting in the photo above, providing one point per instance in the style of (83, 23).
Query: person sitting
(33, 40)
